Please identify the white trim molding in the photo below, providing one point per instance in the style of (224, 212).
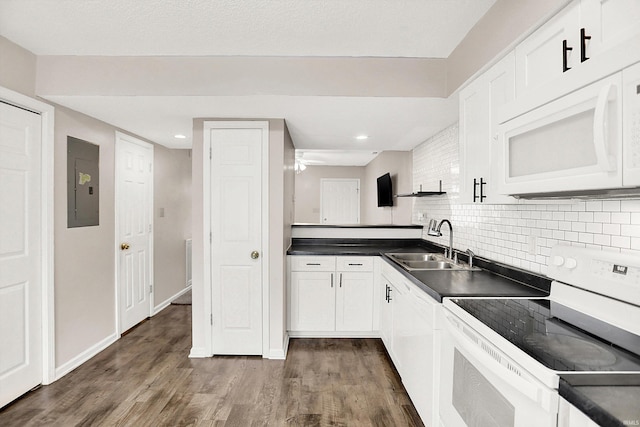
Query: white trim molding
(166, 303)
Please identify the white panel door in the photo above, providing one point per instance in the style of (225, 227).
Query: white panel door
(135, 208)
(340, 201)
(20, 254)
(236, 250)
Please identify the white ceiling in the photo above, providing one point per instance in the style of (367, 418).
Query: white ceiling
(307, 28)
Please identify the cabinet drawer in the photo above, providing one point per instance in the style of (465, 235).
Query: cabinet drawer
(313, 263)
(357, 263)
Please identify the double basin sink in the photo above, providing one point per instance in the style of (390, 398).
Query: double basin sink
(428, 261)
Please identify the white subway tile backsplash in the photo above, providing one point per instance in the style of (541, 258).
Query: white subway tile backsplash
(621, 218)
(502, 232)
(595, 206)
(630, 206)
(611, 205)
(622, 242)
(612, 229)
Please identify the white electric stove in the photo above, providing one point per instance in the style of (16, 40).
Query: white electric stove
(501, 358)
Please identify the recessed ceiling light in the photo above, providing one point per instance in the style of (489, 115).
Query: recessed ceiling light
(362, 137)
(180, 136)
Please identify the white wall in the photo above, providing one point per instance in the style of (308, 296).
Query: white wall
(172, 198)
(17, 68)
(501, 232)
(398, 164)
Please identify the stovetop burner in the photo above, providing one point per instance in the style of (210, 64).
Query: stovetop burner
(566, 347)
(532, 327)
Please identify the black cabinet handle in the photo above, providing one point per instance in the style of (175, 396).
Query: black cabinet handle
(332, 280)
(482, 184)
(313, 263)
(583, 45)
(475, 192)
(355, 264)
(340, 279)
(565, 50)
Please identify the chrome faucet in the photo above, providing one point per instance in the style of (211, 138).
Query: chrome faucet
(471, 255)
(433, 231)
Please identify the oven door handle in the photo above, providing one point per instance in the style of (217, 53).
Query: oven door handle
(531, 390)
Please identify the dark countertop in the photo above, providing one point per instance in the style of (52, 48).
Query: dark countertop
(310, 224)
(607, 399)
(355, 247)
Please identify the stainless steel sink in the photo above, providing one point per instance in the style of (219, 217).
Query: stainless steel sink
(415, 257)
(427, 261)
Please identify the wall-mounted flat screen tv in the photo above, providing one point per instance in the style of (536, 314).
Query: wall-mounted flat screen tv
(385, 191)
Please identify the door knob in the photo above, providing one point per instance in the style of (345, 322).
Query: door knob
(255, 255)
(124, 246)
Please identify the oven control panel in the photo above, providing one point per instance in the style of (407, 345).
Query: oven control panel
(608, 273)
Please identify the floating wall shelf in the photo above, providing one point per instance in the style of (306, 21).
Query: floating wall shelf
(424, 193)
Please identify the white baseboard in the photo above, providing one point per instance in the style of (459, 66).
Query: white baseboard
(333, 334)
(198, 353)
(72, 364)
(164, 304)
(280, 353)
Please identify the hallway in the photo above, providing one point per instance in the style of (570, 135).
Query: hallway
(146, 379)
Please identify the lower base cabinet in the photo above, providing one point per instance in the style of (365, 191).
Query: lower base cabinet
(331, 296)
(410, 331)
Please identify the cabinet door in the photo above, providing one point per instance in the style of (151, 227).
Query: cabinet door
(386, 314)
(313, 301)
(609, 22)
(474, 130)
(539, 58)
(401, 327)
(354, 302)
(419, 363)
(481, 169)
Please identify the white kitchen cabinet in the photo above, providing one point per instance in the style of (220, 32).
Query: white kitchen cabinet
(354, 302)
(581, 31)
(409, 328)
(313, 305)
(421, 361)
(400, 326)
(386, 313)
(480, 166)
(570, 416)
(331, 296)
(539, 58)
(609, 22)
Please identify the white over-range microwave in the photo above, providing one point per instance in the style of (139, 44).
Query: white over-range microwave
(584, 143)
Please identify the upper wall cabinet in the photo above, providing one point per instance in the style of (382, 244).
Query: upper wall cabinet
(480, 169)
(609, 22)
(581, 31)
(545, 54)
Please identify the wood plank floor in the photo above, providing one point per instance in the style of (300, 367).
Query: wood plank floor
(146, 379)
